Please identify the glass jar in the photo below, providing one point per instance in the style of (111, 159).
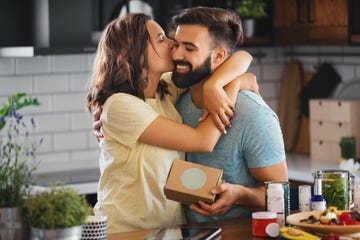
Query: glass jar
(336, 187)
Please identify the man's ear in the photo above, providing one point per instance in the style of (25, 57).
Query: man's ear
(219, 55)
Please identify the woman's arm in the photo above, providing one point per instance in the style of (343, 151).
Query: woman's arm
(166, 133)
(215, 99)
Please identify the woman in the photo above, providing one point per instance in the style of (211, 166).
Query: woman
(141, 124)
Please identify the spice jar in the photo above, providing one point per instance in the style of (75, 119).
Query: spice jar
(260, 220)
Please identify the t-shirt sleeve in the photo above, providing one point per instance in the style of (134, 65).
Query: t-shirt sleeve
(175, 92)
(264, 145)
(125, 117)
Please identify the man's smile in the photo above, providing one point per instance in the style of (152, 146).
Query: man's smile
(182, 67)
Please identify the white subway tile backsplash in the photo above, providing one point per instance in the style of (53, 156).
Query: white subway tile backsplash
(92, 156)
(44, 106)
(347, 72)
(53, 122)
(80, 82)
(80, 121)
(331, 54)
(70, 63)
(255, 69)
(70, 141)
(51, 83)
(272, 72)
(93, 143)
(90, 61)
(55, 161)
(7, 66)
(13, 84)
(357, 73)
(31, 65)
(273, 104)
(69, 102)
(268, 90)
(47, 143)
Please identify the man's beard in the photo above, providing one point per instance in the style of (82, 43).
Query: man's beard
(185, 80)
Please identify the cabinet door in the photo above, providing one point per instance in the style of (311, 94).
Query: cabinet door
(289, 21)
(310, 22)
(328, 21)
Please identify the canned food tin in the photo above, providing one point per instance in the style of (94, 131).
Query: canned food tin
(285, 198)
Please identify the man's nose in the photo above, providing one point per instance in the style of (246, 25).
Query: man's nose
(177, 53)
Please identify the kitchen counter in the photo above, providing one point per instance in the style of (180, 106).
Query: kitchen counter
(300, 167)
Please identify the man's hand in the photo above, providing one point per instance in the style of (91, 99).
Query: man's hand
(227, 197)
(97, 124)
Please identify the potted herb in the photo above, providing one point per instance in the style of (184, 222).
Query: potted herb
(250, 11)
(56, 214)
(17, 163)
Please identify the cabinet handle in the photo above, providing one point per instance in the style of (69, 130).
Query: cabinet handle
(298, 12)
(308, 9)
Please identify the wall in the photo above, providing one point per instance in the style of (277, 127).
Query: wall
(60, 83)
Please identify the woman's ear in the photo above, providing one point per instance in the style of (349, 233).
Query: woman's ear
(219, 55)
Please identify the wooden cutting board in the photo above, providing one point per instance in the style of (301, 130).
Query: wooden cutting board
(289, 103)
(302, 143)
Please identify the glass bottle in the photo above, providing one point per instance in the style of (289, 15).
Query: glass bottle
(317, 202)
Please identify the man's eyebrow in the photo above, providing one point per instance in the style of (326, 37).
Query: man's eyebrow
(190, 44)
(186, 43)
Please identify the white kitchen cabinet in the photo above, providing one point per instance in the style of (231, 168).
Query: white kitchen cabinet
(330, 120)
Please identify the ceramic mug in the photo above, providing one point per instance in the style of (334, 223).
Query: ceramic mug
(95, 228)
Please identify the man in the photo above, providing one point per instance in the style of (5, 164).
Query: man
(252, 151)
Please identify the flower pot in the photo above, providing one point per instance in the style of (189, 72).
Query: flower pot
(249, 27)
(73, 233)
(10, 223)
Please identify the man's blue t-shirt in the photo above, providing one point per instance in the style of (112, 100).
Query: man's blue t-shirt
(253, 140)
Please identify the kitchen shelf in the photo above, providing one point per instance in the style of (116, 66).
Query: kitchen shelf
(30, 51)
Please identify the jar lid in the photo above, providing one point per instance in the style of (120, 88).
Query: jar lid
(264, 215)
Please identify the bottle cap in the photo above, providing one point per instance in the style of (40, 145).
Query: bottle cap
(264, 215)
(275, 186)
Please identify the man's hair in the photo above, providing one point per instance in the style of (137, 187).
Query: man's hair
(224, 26)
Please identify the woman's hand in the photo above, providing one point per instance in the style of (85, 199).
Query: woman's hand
(248, 81)
(217, 102)
(97, 124)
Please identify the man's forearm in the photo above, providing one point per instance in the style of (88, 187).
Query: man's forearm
(252, 199)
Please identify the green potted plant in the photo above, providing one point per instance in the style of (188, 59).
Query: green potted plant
(56, 214)
(250, 11)
(17, 163)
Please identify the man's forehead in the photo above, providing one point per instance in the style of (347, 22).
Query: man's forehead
(191, 33)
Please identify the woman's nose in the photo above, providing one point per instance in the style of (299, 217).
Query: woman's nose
(171, 43)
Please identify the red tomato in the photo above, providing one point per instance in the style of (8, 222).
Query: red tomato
(344, 217)
(351, 222)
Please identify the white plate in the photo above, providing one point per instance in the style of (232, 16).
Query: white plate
(294, 219)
